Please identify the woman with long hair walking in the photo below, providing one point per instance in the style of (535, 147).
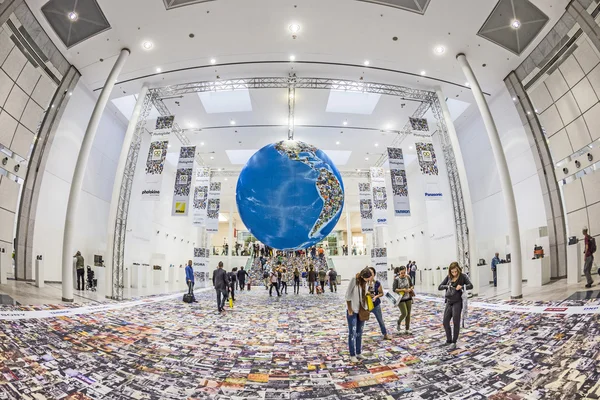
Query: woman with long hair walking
(454, 285)
(357, 312)
(404, 287)
(376, 291)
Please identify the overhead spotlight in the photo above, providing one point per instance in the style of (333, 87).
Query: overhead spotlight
(439, 50)
(366, 63)
(376, 144)
(514, 99)
(366, 158)
(345, 123)
(169, 146)
(212, 158)
(358, 170)
(410, 147)
(294, 28)
(516, 24)
(337, 143)
(201, 143)
(232, 122)
(158, 70)
(73, 16)
(423, 73)
(213, 61)
(70, 93)
(467, 84)
(147, 45)
(291, 96)
(388, 126)
(528, 112)
(225, 179)
(292, 58)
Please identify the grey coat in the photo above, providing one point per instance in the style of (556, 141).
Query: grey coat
(220, 279)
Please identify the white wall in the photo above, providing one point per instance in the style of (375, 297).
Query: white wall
(92, 212)
(488, 202)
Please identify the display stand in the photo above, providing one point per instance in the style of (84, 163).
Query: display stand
(172, 275)
(574, 263)
(486, 276)
(145, 275)
(503, 275)
(127, 277)
(136, 276)
(99, 274)
(39, 271)
(157, 277)
(537, 272)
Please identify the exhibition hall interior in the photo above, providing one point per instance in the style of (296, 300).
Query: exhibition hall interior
(282, 199)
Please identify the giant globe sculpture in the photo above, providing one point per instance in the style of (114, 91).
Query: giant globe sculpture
(290, 195)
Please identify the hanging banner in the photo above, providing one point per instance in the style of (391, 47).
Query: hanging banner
(213, 207)
(201, 266)
(155, 163)
(366, 207)
(200, 201)
(399, 183)
(183, 181)
(379, 262)
(429, 169)
(379, 196)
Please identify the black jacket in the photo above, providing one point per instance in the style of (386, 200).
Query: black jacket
(454, 296)
(220, 279)
(242, 274)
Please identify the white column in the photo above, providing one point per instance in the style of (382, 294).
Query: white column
(348, 233)
(114, 204)
(230, 237)
(78, 175)
(466, 192)
(516, 285)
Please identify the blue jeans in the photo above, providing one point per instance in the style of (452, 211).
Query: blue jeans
(355, 329)
(377, 312)
(495, 274)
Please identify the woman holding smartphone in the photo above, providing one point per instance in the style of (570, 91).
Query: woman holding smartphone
(376, 292)
(454, 284)
(356, 303)
(404, 287)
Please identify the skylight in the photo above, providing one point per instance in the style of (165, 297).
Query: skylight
(352, 102)
(226, 101)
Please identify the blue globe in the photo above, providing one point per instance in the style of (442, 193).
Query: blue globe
(290, 195)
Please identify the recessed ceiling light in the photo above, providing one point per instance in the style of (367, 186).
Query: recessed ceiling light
(423, 73)
(70, 93)
(232, 122)
(337, 143)
(201, 143)
(158, 70)
(410, 147)
(516, 24)
(213, 61)
(376, 144)
(514, 99)
(212, 158)
(388, 126)
(294, 28)
(345, 123)
(366, 158)
(169, 146)
(467, 84)
(367, 63)
(439, 50)
(225, 178)
(528, 112)
(291, 96)
(73, 16)
(147, 45)
(358, 170)
(292, 58)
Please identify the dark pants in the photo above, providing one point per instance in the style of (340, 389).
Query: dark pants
(413, 277)
(296, 285)
(332, 284)
(221, 297)
(242, 284)
(495, 273)
(322, 285)
(311, 287)
(452, 312)
(587, 269)
(81, 278)
(276, 286)
(283, 287)
(190, 287)
(232, 291)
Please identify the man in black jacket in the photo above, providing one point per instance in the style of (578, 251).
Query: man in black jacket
(241, 275)
(221, 283)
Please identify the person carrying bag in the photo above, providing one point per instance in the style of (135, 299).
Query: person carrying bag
(403, 286)
(357, 312)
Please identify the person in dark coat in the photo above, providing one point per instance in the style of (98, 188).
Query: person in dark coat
(221, 283)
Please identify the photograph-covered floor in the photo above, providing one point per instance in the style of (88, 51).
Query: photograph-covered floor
(295, 347)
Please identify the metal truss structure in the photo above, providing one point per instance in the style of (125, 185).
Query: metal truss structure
(291, 105)
(118, 262)
(345, 174)
(155, 98)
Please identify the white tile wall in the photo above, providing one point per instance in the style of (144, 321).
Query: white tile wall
(594, 218)
(571, 71)
(584, 95)
(586, 57)
(14, 63)
(567, 108)
(6, 85)
(560, 147)
(16, 102)
(591, 187)
(540, 97)
(576, 221)
(32, 116)
(578, 134)
(594, 78)
(28, 78)
(10, 194)
(573, 194)
(8, 126)
(44, 91)
(592, 118)
(22, 141)
(551, 121)
(6, 46)
(556, 84)
(7, 224)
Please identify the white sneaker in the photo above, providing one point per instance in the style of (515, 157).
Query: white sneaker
(361, 357)
(353, 360)
(452, 346)
(407, 332)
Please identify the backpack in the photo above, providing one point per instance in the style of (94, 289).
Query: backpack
(592, 245)
(413, 268)
(332, 274)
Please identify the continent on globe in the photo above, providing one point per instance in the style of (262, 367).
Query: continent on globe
(290, 195)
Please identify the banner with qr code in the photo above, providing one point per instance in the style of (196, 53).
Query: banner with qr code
(201, 266)
(155, 161)
(200, 198)
(430, 171)
(399, 183)
(379, 193)
(379, 262)
(183, 181)
(213, 207)
(366, 207)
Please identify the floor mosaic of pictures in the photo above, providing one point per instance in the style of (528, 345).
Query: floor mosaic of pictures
(295, 347)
